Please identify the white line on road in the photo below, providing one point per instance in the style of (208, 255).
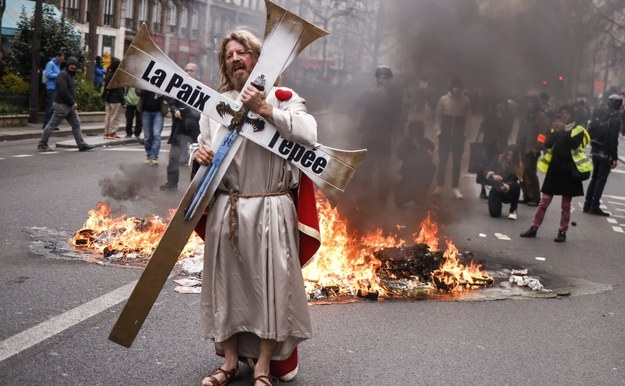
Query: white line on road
(618, 229)
(23, 155)
(26, 339)
(611, 220)
(614, 197)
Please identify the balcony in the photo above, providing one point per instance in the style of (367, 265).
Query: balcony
(73, 13)
(129, 23)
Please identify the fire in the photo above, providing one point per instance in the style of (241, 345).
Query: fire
(129, 237)
(347, 265)
(454, 276)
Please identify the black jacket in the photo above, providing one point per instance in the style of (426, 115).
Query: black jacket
(189, 122)
(65, 88)
(608, 145)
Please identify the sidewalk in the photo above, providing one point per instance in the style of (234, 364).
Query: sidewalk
(63, 138)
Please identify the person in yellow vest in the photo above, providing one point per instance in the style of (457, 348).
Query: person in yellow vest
(566, 165)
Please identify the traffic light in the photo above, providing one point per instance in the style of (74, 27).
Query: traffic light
(560, 77)
(545, 83)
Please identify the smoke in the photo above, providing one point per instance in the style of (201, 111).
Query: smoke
(131, 182)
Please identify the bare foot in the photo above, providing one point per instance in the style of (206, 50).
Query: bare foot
(220, 377)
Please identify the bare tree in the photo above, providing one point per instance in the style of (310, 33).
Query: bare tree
(328, 12)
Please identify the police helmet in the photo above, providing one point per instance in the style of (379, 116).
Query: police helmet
(383, 70)
(615, 101)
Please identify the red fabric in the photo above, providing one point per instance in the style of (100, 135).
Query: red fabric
(308, 246)
(283, 95)
(308, 216)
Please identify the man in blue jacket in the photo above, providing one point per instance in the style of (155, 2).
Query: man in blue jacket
(52, 70)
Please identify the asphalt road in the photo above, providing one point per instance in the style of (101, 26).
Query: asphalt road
(564, 340)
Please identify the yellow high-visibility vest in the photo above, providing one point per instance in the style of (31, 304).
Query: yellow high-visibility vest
(580, 158)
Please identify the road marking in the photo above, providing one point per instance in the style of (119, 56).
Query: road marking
(22, 155)
(618, 229)
(616, 203)
(622, 198)
(137, 149)
(57, 324)
(611, 221)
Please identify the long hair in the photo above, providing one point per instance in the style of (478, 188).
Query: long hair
(515, 163)
(247, 40)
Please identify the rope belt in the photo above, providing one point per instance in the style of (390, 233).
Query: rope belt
(234, 216)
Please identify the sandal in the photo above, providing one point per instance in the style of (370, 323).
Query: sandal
(214, 381)
(264, 379)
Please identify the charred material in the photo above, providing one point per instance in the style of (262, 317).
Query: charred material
(415, 261)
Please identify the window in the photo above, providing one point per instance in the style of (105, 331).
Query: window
(184, 21)
(143, 9)
(73, 9)
(195, 25)
(156, 22)
(173, 14)
(108, 13)
(130, 9)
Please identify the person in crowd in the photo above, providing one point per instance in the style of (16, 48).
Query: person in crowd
(495, 131)
(253, 299)
(502, 174)
(65, 107)
(380, 109)
(417, 168)
(582, 112)
(153, 107)
(98, 73)
(52, 70)
(563, 161)
(187, 130)
(452, 117)
(132, 113)
(533, 127)
(604, 152)
(113, 102)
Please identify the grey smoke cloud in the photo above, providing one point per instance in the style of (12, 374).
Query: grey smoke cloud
(131, 182)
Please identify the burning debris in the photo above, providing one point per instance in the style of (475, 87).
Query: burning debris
(377, 265)
(125, 240)
(373, 266)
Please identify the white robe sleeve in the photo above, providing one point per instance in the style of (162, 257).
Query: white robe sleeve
(291, 118)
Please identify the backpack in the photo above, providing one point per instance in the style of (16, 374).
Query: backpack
(44, 78)
(598, 127)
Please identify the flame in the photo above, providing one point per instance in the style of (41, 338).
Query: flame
(344, 265)
(454, 276)
(105, 234)
(343, 261)
(347, 264)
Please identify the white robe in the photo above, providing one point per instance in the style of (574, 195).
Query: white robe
(259, 294)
